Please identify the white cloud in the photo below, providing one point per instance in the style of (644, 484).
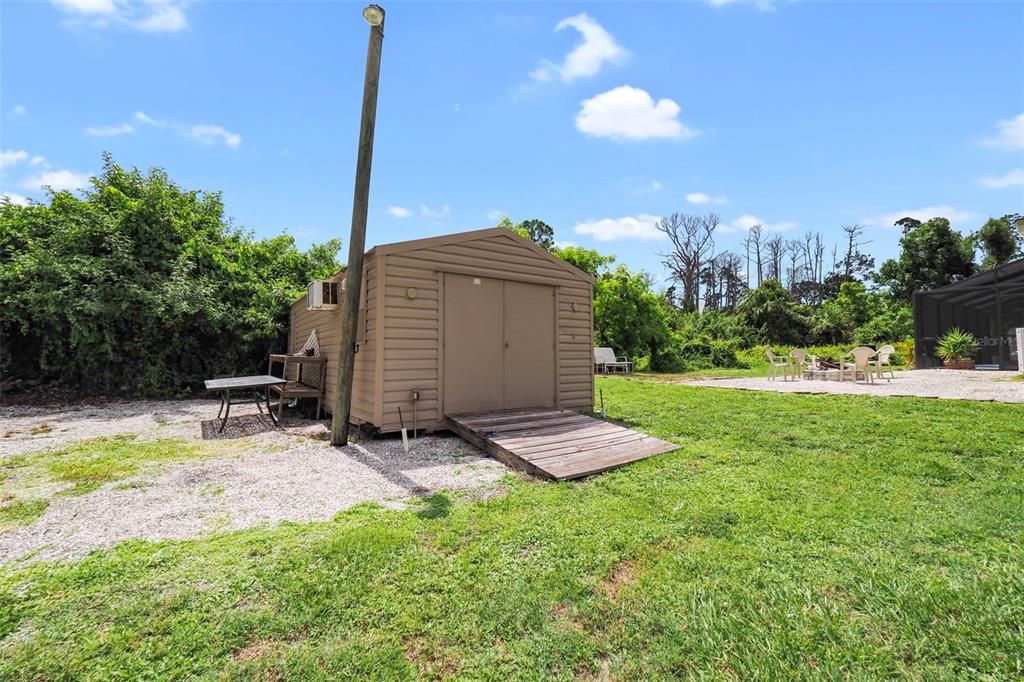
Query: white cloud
(18, 110)
(141, 117)
(11, 157)
(163, 17)
(655, 185)
(597, 48)
(59, 180)
(209, 134)
(763, 5)
(201, 132)
(954, 215)
(559, 244)
(628, 113)
(496, 214)
(110, 131)
(16, 199)
(1014, 178)
(436, 214)
(399, 211)
(703, 198)
(38, 161)
(747, 221)
(103, 7)
(1009, 135)
(149, 16)
(643, 226)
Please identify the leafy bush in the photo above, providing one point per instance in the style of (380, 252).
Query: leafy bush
(142, 288)
(774, 312)
(892, 325)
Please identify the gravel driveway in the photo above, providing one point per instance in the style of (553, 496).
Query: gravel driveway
(270, 475)
(924, 383)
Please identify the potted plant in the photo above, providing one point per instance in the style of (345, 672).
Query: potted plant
(956, 348)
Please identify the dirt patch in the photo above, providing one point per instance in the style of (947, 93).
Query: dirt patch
(622, 575)
(257, 649)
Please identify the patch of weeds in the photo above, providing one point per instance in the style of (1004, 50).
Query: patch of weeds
(40, 429)
(81, 488)
(21, 513)
(132, 485)
(90, 463)
(211, 490)
(218, 522)
(714, 523)
(8, 466)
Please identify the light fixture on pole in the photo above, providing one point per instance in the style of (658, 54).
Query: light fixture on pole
(374, 15)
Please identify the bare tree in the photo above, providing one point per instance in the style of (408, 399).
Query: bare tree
(774, 249)
(693, 243)
(730, 275)
(797, 266)
(854, 260)
(755, 242)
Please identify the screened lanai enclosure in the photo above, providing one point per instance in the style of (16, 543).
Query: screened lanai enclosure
(990, 305)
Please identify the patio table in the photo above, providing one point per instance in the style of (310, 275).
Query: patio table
(256, 387)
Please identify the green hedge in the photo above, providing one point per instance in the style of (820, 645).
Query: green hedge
(754, 357)
(142, 288)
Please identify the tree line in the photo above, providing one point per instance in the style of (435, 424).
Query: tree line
(139, 287)
(797, 291)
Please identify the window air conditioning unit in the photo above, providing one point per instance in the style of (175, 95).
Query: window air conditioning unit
(322, 294)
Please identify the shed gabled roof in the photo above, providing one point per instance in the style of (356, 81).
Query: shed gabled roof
(459, 237)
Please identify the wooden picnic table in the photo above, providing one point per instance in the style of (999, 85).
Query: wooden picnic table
(257, 386)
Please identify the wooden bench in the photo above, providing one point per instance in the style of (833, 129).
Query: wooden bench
(310, 380)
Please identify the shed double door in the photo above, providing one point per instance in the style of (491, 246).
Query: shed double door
(499, 344)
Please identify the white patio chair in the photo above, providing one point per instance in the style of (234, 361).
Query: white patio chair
(802, 361)
(774, 363)
(605, 361)
(861, 357)
(883, 360)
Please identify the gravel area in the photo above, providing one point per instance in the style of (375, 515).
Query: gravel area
(269, 475)
(924, 383)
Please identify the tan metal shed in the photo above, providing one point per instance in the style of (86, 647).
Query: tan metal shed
(470, 321)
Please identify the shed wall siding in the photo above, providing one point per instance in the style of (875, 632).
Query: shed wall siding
(412, 326)
(328, 328)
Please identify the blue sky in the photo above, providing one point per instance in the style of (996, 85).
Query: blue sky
(594, 117)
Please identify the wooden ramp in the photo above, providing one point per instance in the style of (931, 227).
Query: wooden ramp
(554, 443)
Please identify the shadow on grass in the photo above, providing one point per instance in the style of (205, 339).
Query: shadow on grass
(436, 506)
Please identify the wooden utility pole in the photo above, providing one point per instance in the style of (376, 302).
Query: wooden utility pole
(374, 15)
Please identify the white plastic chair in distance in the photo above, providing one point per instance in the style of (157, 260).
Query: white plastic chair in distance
(774, 363)
(861, 357)
(883, 361)
(803, 360)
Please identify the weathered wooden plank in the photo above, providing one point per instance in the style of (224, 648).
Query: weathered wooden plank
(494, 450)
(555, 433)
(555, 443)
(585, 464)
(504, 430)
(525, 415)
(543, 448)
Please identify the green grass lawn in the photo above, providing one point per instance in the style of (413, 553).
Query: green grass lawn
(790, 537)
